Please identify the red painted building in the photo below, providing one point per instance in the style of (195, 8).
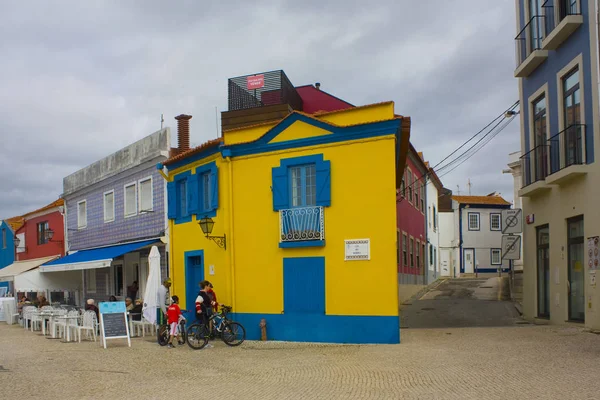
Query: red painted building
(314, 100)
(410, 217)
(42, 233)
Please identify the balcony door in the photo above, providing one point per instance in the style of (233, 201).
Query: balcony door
(573, 151)
(539, 139)
(535, 33)
(566, 7)
(576, 269)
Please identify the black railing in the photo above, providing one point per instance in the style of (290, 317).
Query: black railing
(534, 164)
(566, 148)
(565, 8)
(264, 89)
(530, 38)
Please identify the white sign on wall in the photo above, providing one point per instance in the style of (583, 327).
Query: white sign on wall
(357, 249)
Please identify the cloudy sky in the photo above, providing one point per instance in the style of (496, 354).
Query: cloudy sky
(82, 79)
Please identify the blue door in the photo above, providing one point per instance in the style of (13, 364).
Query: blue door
(304, 285)
(194, 274)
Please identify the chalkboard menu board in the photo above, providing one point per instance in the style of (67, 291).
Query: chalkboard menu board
(115, 325)
(113, 321)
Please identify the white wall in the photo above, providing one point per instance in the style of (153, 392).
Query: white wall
(447, 244)
(433, 263)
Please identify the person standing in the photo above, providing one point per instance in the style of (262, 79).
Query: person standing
(163, 291)
(173, 314)
(203, 307)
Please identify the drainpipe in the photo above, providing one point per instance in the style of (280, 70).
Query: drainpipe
(226, 154)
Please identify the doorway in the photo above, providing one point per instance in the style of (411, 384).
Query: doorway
(445, 262)
(469, 255)
(543, 271)
(194, 274)
(575, 269)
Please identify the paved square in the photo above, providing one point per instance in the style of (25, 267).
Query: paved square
(520, 362)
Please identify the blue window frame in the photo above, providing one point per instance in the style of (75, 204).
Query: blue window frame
(206, 190)
(179, 197)
(303, 188)
(301, 182)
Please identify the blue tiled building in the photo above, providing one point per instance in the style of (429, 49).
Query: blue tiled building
(115, 212)
(557, 67)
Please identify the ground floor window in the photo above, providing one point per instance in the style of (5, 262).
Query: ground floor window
(496, 257)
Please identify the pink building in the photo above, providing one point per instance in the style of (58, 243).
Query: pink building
(411, 223)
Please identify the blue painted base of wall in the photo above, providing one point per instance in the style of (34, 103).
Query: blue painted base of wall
(321, 328)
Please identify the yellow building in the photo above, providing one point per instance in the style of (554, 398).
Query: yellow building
(304, 234)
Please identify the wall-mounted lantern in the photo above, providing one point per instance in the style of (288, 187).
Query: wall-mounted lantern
(17, 241)
(207, 224)
(49, 235)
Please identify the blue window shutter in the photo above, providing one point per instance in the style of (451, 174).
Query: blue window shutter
(323, 171)
(171, 200)
(280, 188)
(193, 193)
(214, 181)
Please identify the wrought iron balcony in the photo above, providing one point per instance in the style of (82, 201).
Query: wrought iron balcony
(567, 154)
(560, 22)
(534, 165)
(302, 224)
(529, 52)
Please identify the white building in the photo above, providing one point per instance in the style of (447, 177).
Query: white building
(447, 242)
(478, 228)
(434, 188)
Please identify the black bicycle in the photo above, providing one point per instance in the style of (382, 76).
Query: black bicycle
(163, 333)
(231, 333)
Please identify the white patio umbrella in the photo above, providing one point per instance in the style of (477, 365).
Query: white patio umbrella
(151, 294)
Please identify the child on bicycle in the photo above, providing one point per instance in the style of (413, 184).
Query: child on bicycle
(173, 316)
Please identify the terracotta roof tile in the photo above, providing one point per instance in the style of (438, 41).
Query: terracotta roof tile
(204, 146)
(56, 203)
(16, 223)
(491, 200)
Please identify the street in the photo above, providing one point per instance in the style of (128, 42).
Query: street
(512, 361)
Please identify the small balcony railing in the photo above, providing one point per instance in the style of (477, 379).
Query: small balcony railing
(529, 39)
(565, 8)
(534, 164)
(302, 224)
(567, 148)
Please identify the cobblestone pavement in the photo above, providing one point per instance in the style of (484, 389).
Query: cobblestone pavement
(519, 362)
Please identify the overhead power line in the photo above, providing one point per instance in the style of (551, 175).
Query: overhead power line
(478, 145)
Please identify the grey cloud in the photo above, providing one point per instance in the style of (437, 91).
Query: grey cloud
(81, 80)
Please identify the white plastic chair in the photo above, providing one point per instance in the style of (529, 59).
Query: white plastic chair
(89, 324)
(142, 324)
(58, 325)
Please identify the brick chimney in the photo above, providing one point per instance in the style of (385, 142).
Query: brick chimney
(318, 85)
(183, 132)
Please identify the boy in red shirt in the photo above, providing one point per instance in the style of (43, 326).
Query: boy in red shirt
(173, 314)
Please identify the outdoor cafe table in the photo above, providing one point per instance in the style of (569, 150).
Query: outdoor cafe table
(49, 315)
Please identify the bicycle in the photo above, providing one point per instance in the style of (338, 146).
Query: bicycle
(163, 333)
(230, 332)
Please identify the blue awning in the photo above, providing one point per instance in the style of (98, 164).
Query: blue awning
(93, 258)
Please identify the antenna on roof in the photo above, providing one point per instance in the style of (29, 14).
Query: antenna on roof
(469, 185)
(457, 190)
(162, 120)
(217, 121)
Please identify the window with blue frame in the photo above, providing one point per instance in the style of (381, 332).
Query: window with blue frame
(197, 193)
(301, 187)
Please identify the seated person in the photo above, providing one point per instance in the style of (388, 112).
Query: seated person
(136, 311)
(129, 304)
(90, 306)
